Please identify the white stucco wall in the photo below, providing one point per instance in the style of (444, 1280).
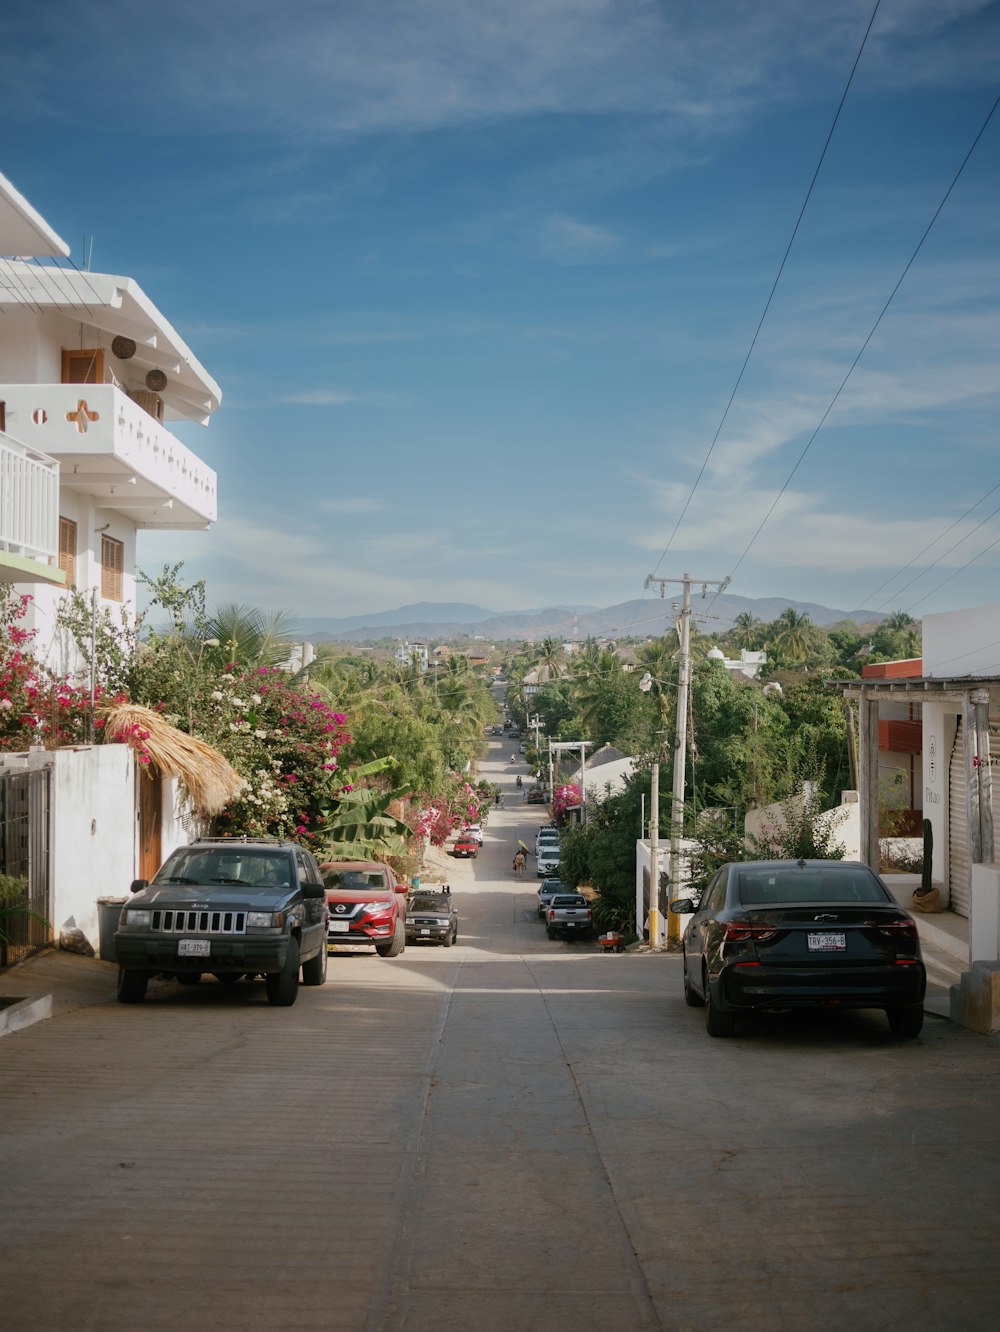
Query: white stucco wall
(93, 833)
(940, 723)
(984, 916)
(962, 642)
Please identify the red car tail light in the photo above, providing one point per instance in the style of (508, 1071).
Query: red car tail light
(740, 931)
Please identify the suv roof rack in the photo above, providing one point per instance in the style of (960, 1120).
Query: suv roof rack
(240, 839)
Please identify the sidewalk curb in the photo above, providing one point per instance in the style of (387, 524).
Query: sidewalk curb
(23, 1013)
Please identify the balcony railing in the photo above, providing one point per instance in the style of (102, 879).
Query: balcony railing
(29, 501)
(113, 449)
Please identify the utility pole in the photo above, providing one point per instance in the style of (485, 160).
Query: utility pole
(654, 863)
(680, 734)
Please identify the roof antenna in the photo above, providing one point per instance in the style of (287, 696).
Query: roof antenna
(88, 252)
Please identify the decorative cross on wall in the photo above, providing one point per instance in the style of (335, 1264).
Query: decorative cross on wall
(82, 416)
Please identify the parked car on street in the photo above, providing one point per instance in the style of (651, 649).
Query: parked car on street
(568, 913)
(232, 907)
(465, 847)
(780, 934)
(535, 796)
(547, 890)
(432, 915)
(367, 905)
(474, 831)
(547, 861)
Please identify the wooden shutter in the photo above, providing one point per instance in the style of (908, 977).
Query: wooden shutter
(85, 366)
(67, 549)
(112, 568)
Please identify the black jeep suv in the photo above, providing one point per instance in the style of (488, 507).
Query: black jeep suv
(231, 907)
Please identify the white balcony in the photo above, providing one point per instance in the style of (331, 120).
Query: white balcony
(114, 450)
(29, 514)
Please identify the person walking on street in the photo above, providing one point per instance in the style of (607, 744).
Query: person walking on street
(519, 864)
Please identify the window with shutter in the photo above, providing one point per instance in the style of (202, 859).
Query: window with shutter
(67, 549)
(112, 568)
(85, 366)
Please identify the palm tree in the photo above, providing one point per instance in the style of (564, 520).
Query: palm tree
(246, 635)
(743, 630)
(594, 669)
(794, 635)
(550, 653)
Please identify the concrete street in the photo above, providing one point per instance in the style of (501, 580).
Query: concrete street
(512, 1135)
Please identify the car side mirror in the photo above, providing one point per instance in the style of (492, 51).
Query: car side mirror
(138, 885)
(684, 906)
(311, 891)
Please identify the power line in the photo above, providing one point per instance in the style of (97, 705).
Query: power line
(871, 333)
(984, 551)
(943, 556)
(909, 564)
(774, 287)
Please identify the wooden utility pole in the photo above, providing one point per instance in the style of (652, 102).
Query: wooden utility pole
(680, 736)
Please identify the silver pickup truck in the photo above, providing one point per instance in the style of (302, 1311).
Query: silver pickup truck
(568, 913)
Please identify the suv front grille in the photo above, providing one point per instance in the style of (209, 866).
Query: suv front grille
(200, 922)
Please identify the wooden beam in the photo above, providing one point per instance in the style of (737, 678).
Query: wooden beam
(981, 704)
(971, 780)
(868, 781)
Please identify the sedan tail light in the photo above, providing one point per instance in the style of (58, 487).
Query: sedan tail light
(739, 931)
(896, 929)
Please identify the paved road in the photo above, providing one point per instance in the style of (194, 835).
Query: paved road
(508, 1135)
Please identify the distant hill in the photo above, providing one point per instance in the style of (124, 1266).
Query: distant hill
(647, 616)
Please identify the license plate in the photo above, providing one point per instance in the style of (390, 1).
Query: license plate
(425, 931)
(339, 926)
(826, 943)
(194, 948)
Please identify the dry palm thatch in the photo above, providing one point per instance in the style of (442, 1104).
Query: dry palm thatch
(209, 779)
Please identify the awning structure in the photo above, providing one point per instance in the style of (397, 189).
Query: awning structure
(209, 778)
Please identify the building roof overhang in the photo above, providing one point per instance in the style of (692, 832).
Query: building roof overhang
(925, 689)
(23, 231)
(108, 305)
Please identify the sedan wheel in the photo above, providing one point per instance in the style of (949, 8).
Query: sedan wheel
(905, 1021)
(717, 1023)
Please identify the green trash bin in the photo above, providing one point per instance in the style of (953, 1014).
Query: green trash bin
(109, 909)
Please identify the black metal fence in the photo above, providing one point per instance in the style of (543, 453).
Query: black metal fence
(25, 903)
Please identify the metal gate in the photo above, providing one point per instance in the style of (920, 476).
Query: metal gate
(25, 916)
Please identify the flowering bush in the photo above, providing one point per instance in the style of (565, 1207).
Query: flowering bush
(283, 741)
(35, 708)
(565, 798)
(460, 802)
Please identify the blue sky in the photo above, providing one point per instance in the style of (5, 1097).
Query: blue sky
(477, 280)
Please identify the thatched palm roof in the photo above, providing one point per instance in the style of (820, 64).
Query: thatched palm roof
(210, 780)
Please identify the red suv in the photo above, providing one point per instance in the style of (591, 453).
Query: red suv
(366, 905)
(465, 846)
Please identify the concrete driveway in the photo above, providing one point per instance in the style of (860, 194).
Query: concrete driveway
(509, 1134)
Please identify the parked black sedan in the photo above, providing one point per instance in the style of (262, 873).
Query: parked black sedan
(781, 934)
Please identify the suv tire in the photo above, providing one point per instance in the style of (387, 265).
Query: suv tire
(314, 971)
(283, 986)
(395, 945)
(132, 986)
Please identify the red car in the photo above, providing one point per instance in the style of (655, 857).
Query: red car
(366, 905)
(466, 847)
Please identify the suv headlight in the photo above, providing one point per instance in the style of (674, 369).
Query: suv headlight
(265, 919)
(140, 919)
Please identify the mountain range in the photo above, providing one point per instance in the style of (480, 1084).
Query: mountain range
(644, 617)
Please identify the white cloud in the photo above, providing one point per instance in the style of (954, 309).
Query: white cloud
(319, 70)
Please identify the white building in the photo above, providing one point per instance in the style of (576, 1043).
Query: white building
(748, 663)
(91, 377)
(954, 694)
(412, 654)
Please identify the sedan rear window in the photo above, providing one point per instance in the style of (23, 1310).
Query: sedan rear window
(769, 886)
